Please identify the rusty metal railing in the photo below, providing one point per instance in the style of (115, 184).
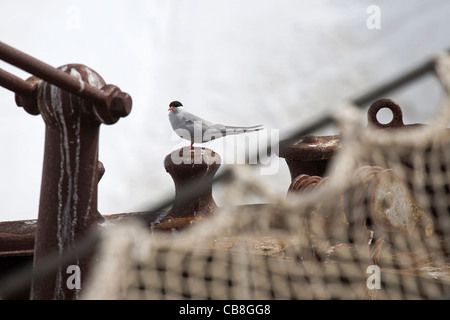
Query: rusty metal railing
(73, 101)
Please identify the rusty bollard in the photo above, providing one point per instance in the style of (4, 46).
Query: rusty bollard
(310, 155)
(188, 166)
(71, 170)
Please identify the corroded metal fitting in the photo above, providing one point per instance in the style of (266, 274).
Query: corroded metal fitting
(326, 219)
(397, 114)
(379, 195)
(305, 182)
(387, 201)
(187, 167)
(310, 155)
(109, 102)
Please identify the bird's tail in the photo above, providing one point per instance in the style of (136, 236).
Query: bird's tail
(238, 130)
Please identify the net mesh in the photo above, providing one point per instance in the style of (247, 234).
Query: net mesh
(377, 227)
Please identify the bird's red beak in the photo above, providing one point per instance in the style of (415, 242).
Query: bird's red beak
(171, 108)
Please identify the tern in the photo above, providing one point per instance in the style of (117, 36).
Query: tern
(198, 130)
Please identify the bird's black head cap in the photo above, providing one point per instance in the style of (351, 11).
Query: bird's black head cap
(175, 104)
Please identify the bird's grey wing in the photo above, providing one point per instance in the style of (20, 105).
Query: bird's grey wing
(193, 119)
(211, 131)
(202, 130)
(207, 125)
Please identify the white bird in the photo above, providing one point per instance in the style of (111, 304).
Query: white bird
(198, 130)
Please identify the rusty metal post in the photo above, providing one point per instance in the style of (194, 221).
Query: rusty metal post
(71, 170)
(309, 155)
(185, 167)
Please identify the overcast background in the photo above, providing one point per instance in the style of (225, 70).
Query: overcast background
(276, 63)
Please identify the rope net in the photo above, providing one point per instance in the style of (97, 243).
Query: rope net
(376, 227)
